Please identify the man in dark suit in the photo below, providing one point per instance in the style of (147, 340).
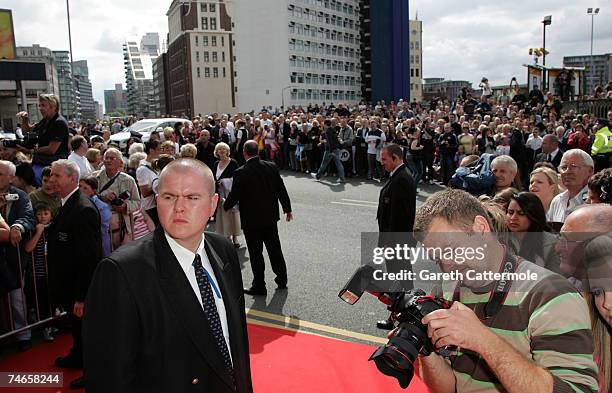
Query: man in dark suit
(74, 248)
(16, 210)
(258, 187)
(550, 151)
(396, 209)
(166, 313)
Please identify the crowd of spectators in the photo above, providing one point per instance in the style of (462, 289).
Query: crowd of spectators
(545, 164)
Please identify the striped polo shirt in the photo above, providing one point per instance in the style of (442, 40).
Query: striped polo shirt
(545, 320)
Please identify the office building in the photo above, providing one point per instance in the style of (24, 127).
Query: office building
(115, 99)
(598, 70)
(138, 56)
(82, 83)
(416, 60)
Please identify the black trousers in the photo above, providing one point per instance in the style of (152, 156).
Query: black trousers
(75, 323)
(255, 239)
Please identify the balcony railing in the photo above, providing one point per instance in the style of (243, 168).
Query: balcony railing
(598, 108)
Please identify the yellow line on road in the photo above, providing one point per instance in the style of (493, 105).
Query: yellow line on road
(298, 323)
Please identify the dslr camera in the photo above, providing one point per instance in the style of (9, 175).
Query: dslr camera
(121, 198)
(29, 141)
(397, 357)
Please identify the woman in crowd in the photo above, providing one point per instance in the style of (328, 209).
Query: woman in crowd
(293, 142)
(24, 177)
(415, 150)
(579, 139)
(485, 142)
(300, 151)
(466, 139)
(94, 156)
(526, 219)
(188, 151)
(227, 222)
(89, 187)
(134, 163)
(544, 182)
(600, 187)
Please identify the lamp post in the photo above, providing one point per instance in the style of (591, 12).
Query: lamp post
(283, 96)
(592, 12)
(547, 21)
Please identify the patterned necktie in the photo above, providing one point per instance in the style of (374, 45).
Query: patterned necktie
(210, 310)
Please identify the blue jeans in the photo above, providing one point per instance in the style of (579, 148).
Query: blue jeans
(327, 157)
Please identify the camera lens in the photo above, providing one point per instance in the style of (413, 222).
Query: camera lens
(396, 359)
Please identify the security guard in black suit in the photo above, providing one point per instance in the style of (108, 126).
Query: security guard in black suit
(396, 207)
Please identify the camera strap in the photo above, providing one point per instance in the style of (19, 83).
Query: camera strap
(501, 288)
(109, 183)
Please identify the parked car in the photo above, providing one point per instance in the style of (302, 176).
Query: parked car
(143, 129)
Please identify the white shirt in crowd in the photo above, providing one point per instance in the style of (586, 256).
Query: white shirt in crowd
(561, 206)
(372, 148)
(534, 143)
(145, 176)
(185, 259)
(83, 163)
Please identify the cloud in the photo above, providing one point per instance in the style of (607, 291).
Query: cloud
(462, 39)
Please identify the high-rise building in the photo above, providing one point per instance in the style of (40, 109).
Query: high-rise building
(36, 53)
(66, 89)
(115, 99)
(160, 85)
(598, 70)
(99, 110)
(138, 58)
(200, 67)
(416, 60)
(385, 50)
(297, 52)
(82, 83)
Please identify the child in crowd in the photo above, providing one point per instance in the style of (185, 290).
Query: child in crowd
(38, 288)
(459, 156)
(504, 147)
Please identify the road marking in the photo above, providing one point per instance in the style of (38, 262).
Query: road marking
(358, 201)
(353, 204)
(299, 323)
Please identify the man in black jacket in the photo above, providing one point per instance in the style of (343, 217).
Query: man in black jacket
(74, 249)
(258, 187)
(332, 151)
(396, 209)
(16, 210)
(166, 313)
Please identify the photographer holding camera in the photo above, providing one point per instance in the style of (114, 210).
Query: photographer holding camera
(47, 140)
(120, 192)
(514, 336)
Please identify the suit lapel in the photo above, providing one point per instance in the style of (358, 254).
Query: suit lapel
(186, 306)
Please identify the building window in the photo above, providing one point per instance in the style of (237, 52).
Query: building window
(206, 72)
(417, 72)
(213, 23)
(203, 7)
(197, 41)
(212, 7)
(412, 45)
(204, 23)
(416, 45)
(213, 41)
(224, 72)
(198, 69)
(204, 41)
(222, 41)
(197, 56)
(411, 72)
(223, 57)
(206, 57)
(214, 57)
(417, 61)
(411, 59)
(215, 72)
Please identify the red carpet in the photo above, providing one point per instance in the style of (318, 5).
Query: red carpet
(281, 361)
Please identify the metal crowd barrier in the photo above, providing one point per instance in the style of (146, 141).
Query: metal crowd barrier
(21, 309)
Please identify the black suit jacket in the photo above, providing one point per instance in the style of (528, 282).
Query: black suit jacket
(543, 157)
(144, 329)
(74, 248)
(397, 203)
(20, 212)
(258, 187)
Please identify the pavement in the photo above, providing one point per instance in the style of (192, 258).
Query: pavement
(322, 250)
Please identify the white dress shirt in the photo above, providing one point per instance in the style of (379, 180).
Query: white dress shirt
(84, 165)
(185, 258)
(561, 206)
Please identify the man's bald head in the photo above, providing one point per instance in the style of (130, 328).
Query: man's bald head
(590, 218)
(251, 149)
(189, 165)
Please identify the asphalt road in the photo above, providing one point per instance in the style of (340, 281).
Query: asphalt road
(322, 250)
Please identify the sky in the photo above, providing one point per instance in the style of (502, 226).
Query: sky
(463, 40)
